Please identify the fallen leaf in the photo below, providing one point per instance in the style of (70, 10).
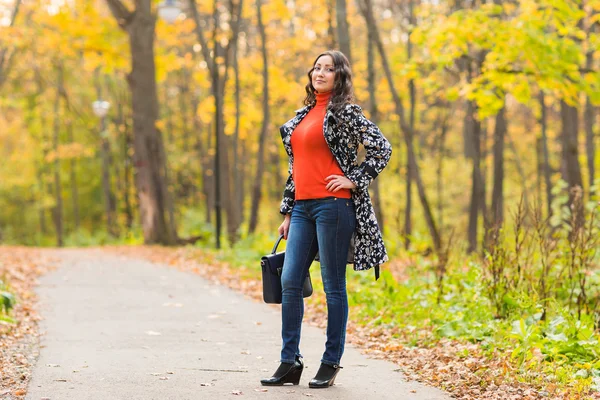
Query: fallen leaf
(245, 352)
(20, 392)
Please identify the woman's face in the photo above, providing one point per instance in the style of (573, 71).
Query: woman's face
(323, 75)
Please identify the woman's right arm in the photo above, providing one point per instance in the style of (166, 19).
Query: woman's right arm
(287, 203)
(289, 193)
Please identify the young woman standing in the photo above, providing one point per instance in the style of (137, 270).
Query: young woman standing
(327, 206)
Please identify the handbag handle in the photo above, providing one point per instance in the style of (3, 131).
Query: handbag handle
(276, 244)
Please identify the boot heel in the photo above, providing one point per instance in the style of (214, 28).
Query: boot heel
(325, 377)
(286, 373)
(294, 376)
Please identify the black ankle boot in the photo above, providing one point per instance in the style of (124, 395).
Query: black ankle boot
(286, 373)
(325, 376)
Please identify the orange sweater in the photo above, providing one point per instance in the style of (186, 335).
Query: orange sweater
(313, 161)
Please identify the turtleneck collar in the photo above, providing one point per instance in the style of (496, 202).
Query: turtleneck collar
(322, 99)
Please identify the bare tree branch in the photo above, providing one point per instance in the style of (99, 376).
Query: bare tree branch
(200, 35)
(15, 12)
(235, 31)
(120, 12)
(6, 63)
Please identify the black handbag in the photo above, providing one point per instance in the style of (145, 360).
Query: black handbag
(272, 265)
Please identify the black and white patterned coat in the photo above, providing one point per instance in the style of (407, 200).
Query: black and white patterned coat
(343, 133)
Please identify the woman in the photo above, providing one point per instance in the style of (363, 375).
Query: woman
(326, 204)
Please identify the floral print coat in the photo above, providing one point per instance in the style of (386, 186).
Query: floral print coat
(343, 133)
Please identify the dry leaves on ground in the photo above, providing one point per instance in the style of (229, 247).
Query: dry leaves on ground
(458, 368)
(20, 268)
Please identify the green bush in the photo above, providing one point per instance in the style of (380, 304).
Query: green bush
(8, 301)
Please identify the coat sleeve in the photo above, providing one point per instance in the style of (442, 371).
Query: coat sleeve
(378, 148)
(289, 193)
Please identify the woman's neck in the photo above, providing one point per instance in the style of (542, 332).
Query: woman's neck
(322, 99)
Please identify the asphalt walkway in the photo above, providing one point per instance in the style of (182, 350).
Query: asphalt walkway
(116, 328)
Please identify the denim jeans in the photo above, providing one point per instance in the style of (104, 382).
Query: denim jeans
(324, 225)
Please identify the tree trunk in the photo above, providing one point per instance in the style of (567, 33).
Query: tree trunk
(189, 186)
(149, 165)
(476, 182)
(589, 117)
(468, 141)
(570, 145)
(343, 29)
(74, 187)
(7, 58)
(198, 148)
(374, 112)
(127, 164)
(258, 180)
(42, 209)
(169, 203)
(546, 153)
(217, 61)
(332, 43)
(183, 107)
(220, 168)
(208, 174)
(498, 189)
(519, 166)
(239, 159)
(109, 203)
(439, 183)
(409, 171)
(590, 145)
(41, 186)
(58, 208)
(367, 11)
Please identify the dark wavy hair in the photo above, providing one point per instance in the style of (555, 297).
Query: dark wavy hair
(343, 91)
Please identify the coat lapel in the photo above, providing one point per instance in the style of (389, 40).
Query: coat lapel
(287, 128)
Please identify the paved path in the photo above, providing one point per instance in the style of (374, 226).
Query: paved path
(117, 328)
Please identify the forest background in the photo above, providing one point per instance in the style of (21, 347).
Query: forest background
(118, 126)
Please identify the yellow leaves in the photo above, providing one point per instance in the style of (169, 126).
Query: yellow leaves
(452, 94)
(206, 110)
(69, 151)
(160, 125)
(276, 10)
(509, 8)
(521, 91)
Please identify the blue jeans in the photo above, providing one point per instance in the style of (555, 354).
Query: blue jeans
(324, 225)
